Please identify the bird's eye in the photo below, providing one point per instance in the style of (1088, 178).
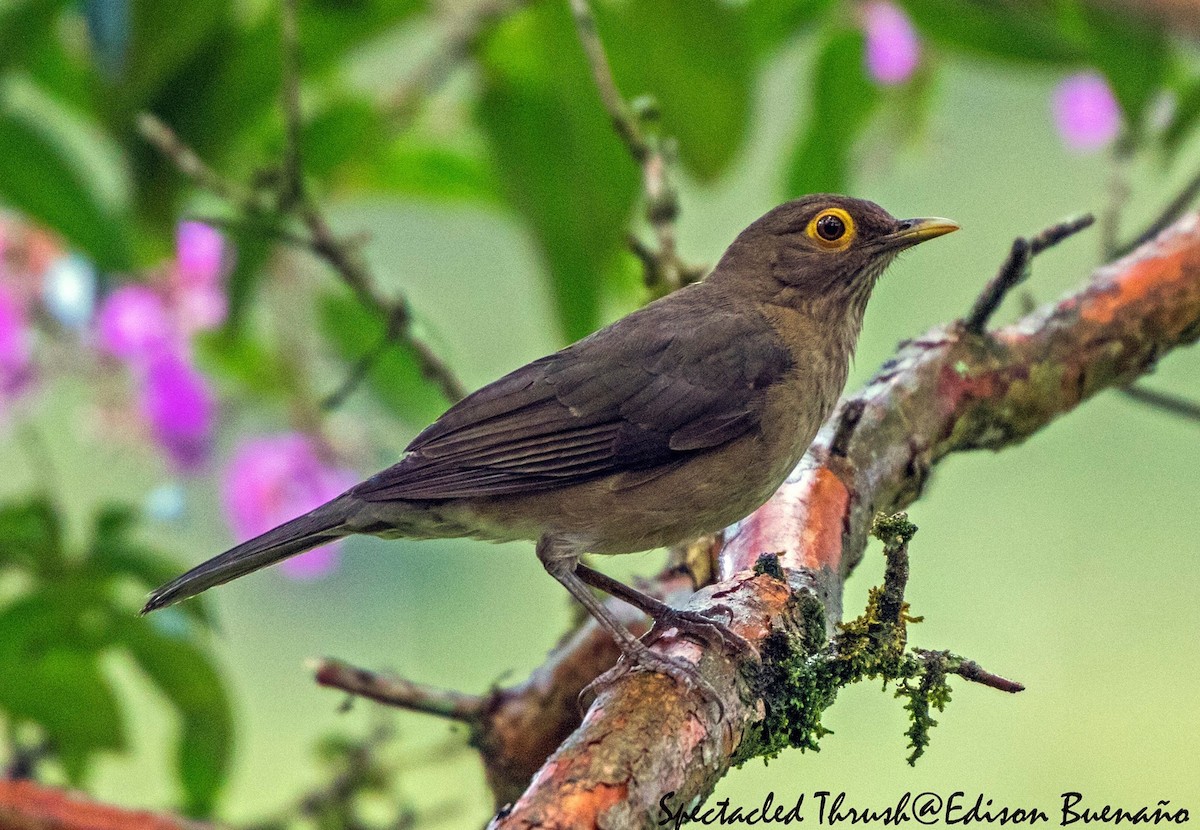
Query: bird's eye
(832, 229)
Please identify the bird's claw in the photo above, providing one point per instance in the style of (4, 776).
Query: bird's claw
(644, 659)
(700, 625)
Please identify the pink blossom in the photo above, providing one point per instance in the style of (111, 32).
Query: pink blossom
(1086, 113)
(893, 48)
(200, 255)
(201, 260)
(16, 346)
(133, 324)
(275, 478)
(178, 404)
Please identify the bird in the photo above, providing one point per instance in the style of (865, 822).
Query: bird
(673, 422)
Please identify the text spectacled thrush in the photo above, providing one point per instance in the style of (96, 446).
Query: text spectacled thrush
(672, 422)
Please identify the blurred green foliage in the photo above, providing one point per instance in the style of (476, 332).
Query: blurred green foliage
(68, 612)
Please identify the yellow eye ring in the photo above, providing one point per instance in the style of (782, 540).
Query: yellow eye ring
(832, 229)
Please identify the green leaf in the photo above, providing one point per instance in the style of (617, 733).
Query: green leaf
(415, 168)
(697, 60)
(561, 166)
(843, 98)
(244, 357)
(1183, 120)
(1026, 33)
(58, 687)
(394, 378)
(331, 28)
(190, 681)
(344, 130)
(114, 555)
(31, 536)
(165, 36)
(252, 242)
(47, 177)
(25, 28)
(772, 22)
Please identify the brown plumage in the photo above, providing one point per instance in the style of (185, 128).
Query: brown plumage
(672, 422)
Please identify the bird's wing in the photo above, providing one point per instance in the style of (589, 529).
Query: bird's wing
(634, 398)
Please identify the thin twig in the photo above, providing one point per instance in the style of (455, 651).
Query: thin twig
(342, 256)
(1016, 268)
(293, 200)
(1118, 196)
(395, 691)
(664, 270)
(1177, 207)
(624, 121)
(1173, 404)
(457, 44)
(969, 670)
(164, 139)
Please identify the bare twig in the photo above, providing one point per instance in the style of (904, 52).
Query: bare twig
(398, 692)
(1176, 208)
(456, 45)
(344, 257)
(1161, 400)
(187, 162)
(970, 670)
(664, 269)
(1016, 268)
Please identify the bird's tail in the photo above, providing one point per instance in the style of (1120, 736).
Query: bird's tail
(325, 524)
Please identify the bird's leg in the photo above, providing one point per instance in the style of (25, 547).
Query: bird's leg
(562, 562)
(694, 623)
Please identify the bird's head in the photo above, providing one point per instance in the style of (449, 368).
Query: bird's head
(827, 245)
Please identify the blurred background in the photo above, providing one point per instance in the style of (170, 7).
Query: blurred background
(180, 370)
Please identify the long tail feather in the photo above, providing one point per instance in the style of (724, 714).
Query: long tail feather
(325, 524)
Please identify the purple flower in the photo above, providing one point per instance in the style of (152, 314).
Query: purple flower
(1086, 112)
(16, 347)
(278, 477)
(201, 262)
(199, 254)
(893, 49)
(133, 324)
(178, 404)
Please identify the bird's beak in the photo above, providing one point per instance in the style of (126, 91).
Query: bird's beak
(914, 231)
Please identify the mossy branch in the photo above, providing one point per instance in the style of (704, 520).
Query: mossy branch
(799, 682)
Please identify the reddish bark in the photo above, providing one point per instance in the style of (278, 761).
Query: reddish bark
(25, 805)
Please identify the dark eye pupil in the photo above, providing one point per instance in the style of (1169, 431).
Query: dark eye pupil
(830, 228)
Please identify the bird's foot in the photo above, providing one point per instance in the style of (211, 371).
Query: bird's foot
(639, 657)
(701, 625)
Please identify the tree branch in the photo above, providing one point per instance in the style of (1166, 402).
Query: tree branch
(25, 805)
(1181, 407)
(943, 392)
(396, 691)
(1015, 269)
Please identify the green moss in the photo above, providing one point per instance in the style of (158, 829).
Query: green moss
(768, 563)
(802, 671)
